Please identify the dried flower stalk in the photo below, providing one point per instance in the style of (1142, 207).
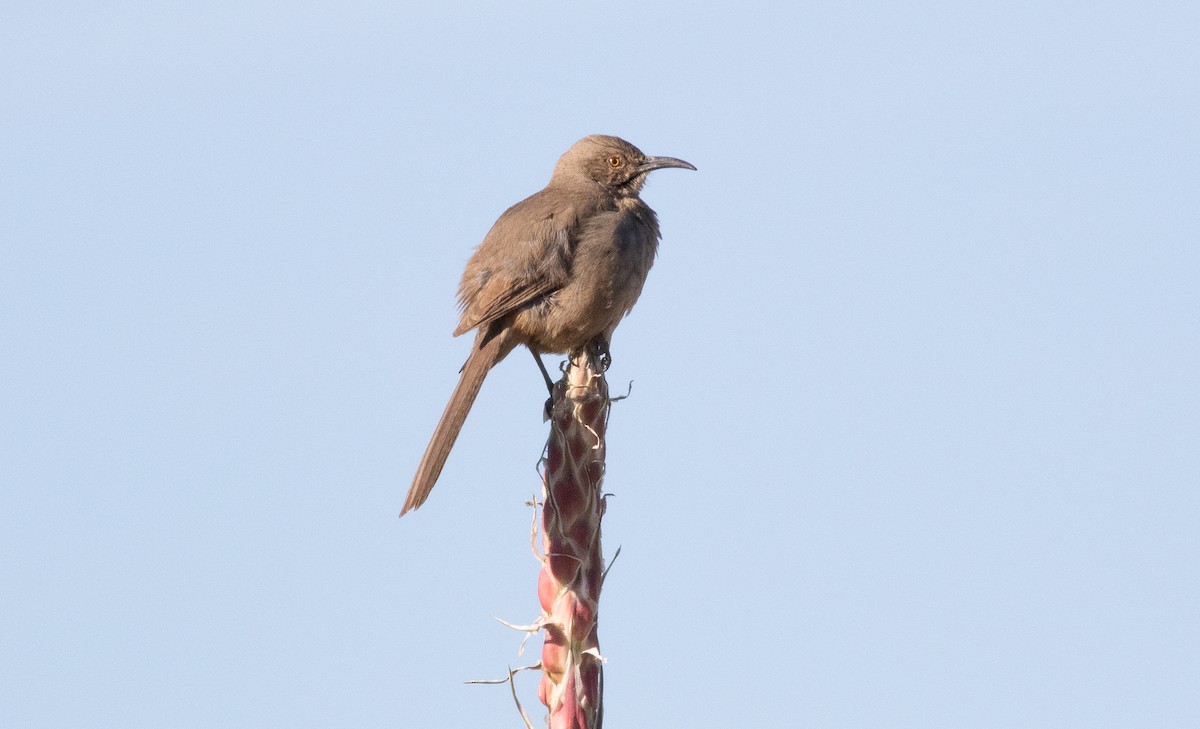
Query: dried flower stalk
(572, 562)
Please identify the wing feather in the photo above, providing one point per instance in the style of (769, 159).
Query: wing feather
(525, 257)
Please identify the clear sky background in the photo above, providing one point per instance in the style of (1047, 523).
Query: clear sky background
(914, 439)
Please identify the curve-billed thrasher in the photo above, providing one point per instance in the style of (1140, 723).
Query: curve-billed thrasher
(556, 273)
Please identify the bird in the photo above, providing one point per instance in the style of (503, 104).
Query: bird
(556, 273)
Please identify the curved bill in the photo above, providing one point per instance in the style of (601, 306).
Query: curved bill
(658, 163)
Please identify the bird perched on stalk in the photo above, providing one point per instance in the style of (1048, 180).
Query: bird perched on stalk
(556, 273)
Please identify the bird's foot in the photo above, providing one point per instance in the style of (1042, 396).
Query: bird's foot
(598, 355)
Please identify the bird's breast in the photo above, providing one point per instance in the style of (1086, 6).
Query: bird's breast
(611, 255)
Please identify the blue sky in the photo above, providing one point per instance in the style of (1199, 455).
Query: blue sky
(913, 439)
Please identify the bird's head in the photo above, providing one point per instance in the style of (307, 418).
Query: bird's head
(611, 162)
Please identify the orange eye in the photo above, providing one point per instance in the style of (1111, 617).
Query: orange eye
(614, 161)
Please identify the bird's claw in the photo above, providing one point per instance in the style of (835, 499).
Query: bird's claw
(601, 358)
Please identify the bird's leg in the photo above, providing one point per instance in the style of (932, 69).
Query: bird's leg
(537, 357)
(597, 349)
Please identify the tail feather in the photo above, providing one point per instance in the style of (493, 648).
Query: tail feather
(481, 361)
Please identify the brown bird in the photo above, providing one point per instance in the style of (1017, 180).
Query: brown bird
(556, 273)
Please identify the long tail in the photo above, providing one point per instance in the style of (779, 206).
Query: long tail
(483, 358)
